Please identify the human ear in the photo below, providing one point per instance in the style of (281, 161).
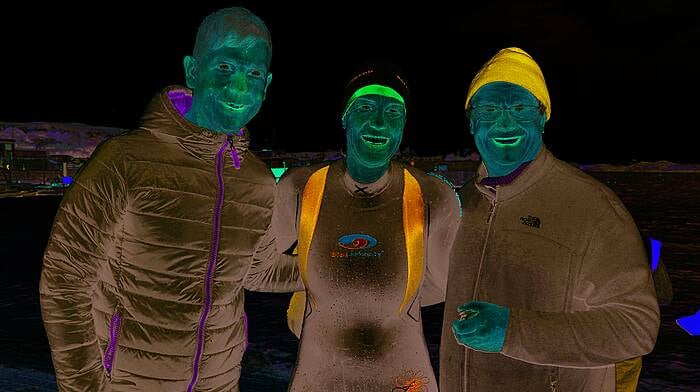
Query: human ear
(267, 84)
(543, 120)
(190, 64)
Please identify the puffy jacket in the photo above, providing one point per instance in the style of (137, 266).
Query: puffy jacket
(152, 246)
(560, 250)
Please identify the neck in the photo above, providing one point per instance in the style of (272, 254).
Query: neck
(498, 170)
(194, 117)
(364, 174)
(505, 179)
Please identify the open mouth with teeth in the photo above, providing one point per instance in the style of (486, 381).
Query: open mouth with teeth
(511, 141)
(234, 106)
(375, 141)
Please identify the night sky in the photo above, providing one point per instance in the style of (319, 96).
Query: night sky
(622, 75)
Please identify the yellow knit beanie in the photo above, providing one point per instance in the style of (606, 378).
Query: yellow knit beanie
(515, 66)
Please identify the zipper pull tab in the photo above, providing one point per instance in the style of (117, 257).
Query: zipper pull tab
(492, 209)
(234, 154)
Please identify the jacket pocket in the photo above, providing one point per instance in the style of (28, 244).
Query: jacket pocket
(111, 350)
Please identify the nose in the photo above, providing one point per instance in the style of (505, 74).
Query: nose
(378, 122)
(506, 120)
(238, 82)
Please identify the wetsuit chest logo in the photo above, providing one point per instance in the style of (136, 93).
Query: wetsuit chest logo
(356, 245)
(357, 241)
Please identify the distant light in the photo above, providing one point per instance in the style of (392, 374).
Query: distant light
(690, 324)
(7, 166)
(277, 172)
(655, 253)
(67, 180)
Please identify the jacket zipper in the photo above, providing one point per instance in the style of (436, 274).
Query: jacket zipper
(210, 270)
(245, 321)
(114, 325)
(492, 209)
(553, 379)
(489, 220)
(234, 154)
(552, 384)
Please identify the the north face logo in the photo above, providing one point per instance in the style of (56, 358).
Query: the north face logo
(531, 221)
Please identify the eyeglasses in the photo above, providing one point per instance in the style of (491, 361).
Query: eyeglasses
(493, 113)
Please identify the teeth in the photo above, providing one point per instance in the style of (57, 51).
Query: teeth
(379, 140)
(234, 106)
(507, 140)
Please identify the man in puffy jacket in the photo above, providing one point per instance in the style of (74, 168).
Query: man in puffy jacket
(162, 229)
(548, 283)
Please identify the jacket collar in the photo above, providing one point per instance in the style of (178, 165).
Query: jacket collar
(537, 169)
(164, 118)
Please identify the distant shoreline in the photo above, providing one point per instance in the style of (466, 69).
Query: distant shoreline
(641, 167)
(645, 167)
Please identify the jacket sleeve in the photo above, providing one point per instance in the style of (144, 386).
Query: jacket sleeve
(616, 317)
(274, 269)
(82, 239)
(444, 221)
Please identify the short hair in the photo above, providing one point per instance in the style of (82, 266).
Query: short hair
(219, 23)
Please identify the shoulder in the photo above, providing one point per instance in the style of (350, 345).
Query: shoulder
(437, 190)
(294, 179)
(112, 152)
(130, 145)
(257, 171)
(574, 183)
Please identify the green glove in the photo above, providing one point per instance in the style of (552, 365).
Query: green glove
(482, 326)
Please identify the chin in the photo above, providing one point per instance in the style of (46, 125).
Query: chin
(374, 162)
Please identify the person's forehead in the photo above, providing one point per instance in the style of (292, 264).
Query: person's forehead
(503, 90)
(236, 39)
(252, 48)
(376, 98)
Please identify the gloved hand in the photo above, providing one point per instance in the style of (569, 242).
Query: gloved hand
(481, 326)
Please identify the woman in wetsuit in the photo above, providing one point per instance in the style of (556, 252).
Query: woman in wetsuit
(372, 237)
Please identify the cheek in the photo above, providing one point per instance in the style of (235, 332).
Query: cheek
(353, 133)
(396, 129)
(480, 131)
(532, 129)
(355, 124)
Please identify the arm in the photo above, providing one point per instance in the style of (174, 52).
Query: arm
(444, 221)
(618, 317)
(81, 239)
(274, 268)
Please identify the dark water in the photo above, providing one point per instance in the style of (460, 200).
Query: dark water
(665, 206)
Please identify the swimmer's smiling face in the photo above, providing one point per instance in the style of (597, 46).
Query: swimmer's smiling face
(507, 122)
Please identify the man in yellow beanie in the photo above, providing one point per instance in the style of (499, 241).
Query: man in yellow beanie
(549, 285)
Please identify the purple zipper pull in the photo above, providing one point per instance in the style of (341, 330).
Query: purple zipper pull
(234, 154)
